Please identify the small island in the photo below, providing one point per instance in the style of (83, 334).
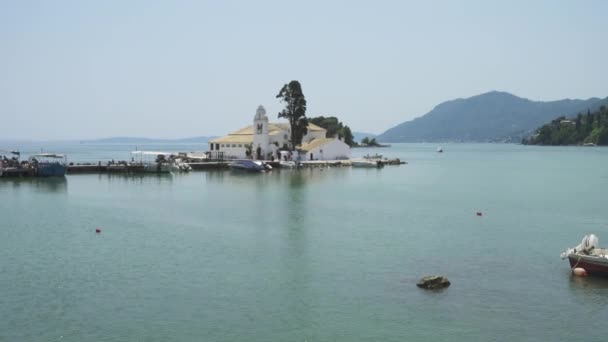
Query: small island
(367, 142)
(588, 130)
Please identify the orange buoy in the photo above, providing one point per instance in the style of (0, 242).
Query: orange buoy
(478, 213)
(579, 271)
(97, 230)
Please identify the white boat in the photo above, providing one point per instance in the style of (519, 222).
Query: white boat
(288, 164)
(367, 163)
(439, 149)
(374, 156)
(248, 165)
(178, 165)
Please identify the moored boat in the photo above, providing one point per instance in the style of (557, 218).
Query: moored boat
(588, 255)
(373, 157)
(178, 165)
(49, 164)
(367, 163)
(289, 164)
(152, 161)
(247, 165)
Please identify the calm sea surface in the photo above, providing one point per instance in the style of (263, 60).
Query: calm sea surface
(311, 255)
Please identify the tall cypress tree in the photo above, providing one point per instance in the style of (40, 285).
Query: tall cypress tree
(294, 111)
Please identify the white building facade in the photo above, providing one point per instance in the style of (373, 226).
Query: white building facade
(264, 140)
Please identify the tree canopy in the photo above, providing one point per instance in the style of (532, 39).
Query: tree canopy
(370, 142)
(335, 128)
(591, 128)
(295, 111)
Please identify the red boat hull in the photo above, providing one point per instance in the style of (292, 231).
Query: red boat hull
(591, 266)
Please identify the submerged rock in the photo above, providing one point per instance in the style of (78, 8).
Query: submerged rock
(433, 282)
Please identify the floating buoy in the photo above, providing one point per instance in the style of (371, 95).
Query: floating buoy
(478, 213)
(579, 271)
(97, 230)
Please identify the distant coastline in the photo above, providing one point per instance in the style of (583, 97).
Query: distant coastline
(140, 140)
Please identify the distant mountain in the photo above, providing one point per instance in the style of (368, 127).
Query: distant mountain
(490, 117)
(357, 136)
(132, 140)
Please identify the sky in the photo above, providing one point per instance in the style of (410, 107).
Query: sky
(173, 69)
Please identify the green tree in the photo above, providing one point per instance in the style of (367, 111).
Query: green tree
(331, 124)
(590, 128)
(588, 122)
(334, 128)
(365, 141)
(295, 111)
(349, 139)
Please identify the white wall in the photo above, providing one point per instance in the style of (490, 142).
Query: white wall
(333, 150)
(233, 152)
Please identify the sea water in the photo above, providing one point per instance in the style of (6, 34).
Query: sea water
(324, 254)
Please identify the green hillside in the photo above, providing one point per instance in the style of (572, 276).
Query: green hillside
(589, 128)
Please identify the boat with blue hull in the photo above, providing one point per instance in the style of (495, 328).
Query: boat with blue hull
(49, 164)
(249, 165)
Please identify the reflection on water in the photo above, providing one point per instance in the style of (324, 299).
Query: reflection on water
(592, 288)
(138, 178)
(50, 184)
(590, 283)
(288, 177)
(296, 261)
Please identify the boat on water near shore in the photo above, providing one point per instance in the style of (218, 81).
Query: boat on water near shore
(160, 164)
(249, 165)
(48, 164)
(288, 164)
(367, 163)
(374, 156)
(588, 256)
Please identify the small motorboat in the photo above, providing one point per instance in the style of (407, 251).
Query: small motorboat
(178, 165)
(367, 163)
(588, 256)
(288, 164)
(439, 149)
(248, 165)
(373, 157)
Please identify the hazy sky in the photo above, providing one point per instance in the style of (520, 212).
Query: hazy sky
(88, 69)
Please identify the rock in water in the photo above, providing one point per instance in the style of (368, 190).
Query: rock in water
(433, 282)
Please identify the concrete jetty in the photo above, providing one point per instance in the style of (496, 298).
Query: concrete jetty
(134, 168)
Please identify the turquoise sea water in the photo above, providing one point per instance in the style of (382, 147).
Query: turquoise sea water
(311, 255)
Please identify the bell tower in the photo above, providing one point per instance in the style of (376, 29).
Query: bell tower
(261, 142)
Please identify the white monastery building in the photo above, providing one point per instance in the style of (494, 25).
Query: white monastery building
(265, 140)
